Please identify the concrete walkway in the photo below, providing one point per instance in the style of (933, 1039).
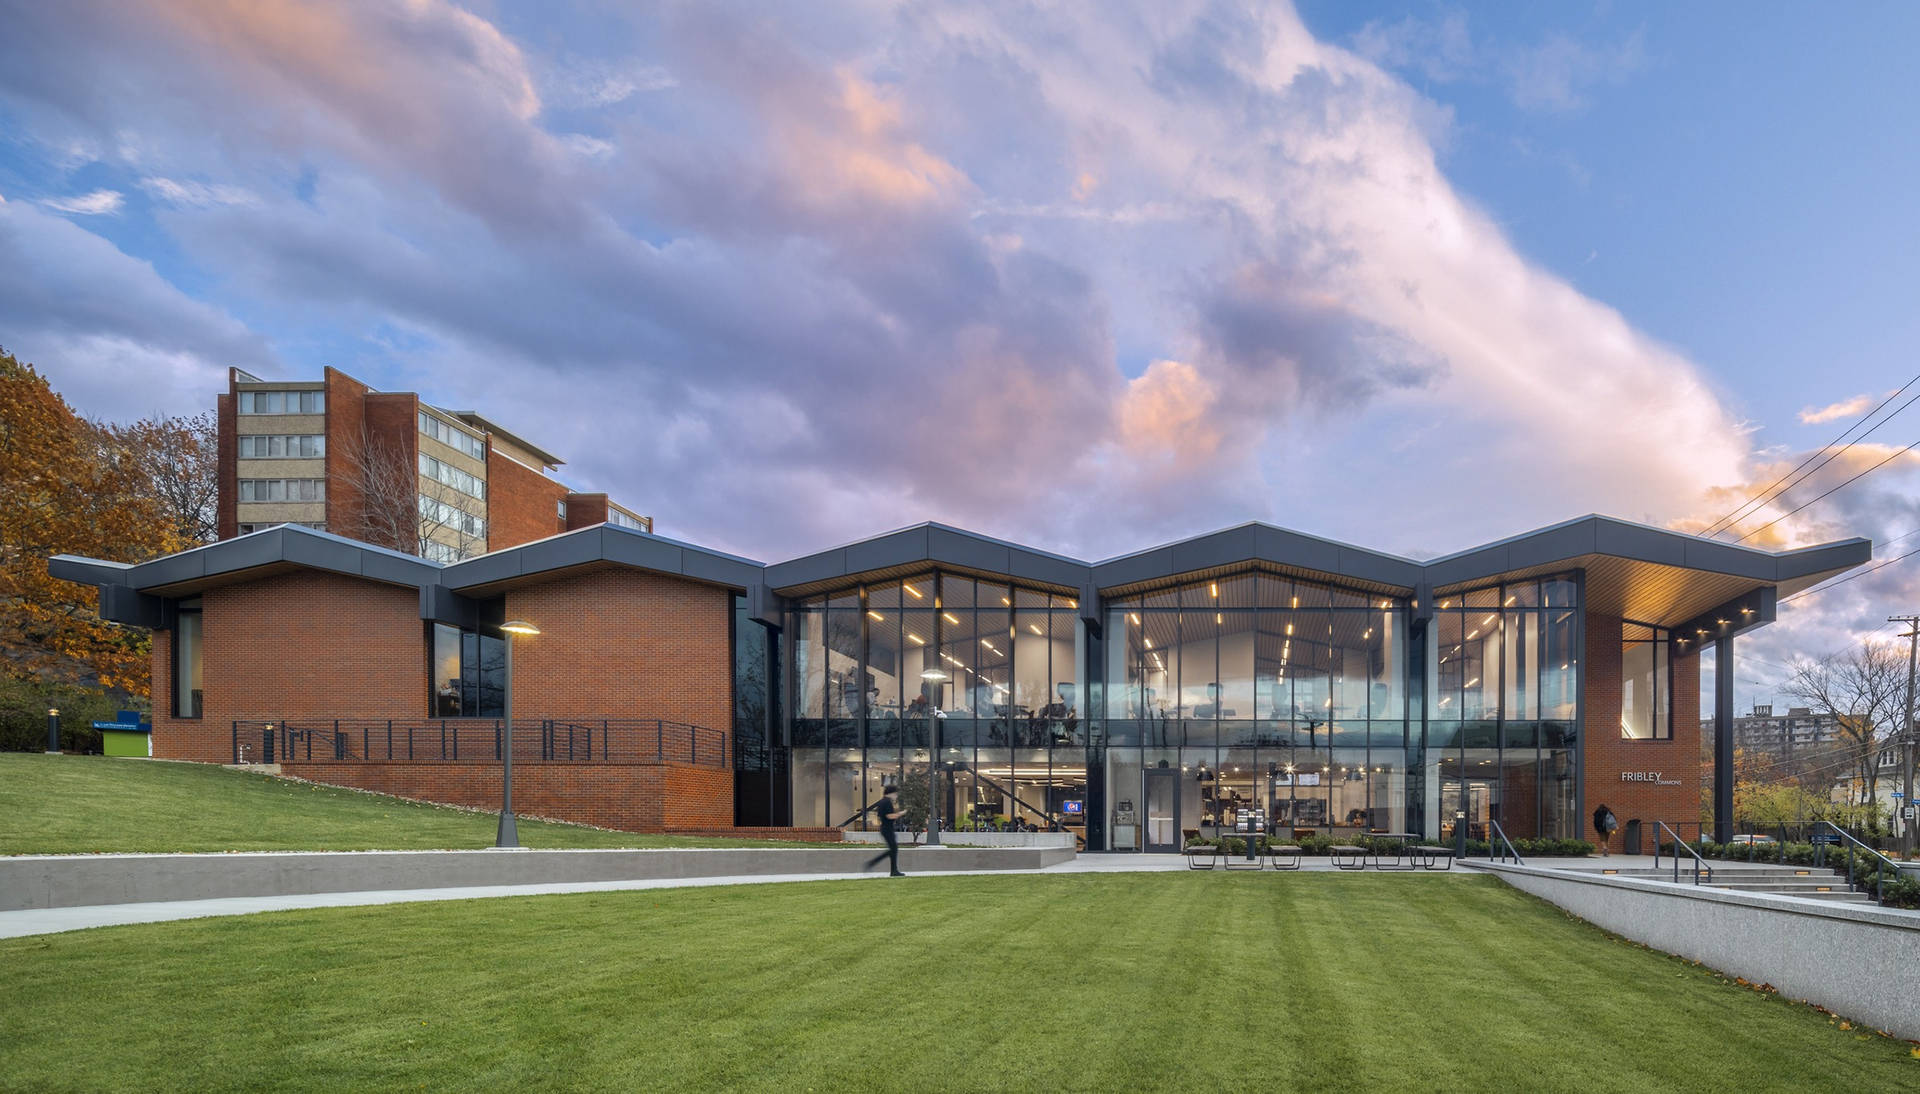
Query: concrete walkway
(36, 921)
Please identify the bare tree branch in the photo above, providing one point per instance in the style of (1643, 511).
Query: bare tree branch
(1862, 689)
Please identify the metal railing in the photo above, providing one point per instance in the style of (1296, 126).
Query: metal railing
(1890, 867)
(1699, 862)
(478, 740)
(1492, 844)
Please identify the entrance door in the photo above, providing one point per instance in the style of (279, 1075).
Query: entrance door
(1163, 810)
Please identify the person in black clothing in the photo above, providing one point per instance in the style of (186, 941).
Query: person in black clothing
(888, 807)
(1604, 823)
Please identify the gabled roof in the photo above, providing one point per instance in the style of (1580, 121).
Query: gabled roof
(1635, 571)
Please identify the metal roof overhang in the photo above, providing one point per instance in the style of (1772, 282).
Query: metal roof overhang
(247, 558)
(1633, 571)
(603, 546)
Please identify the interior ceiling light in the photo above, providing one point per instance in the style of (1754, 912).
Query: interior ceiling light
(948, 616)
(1213, 589)
(913, 592)
(1135, 616)
(1007, 602)
(1034, 627)
(916, 639)
(877, 615)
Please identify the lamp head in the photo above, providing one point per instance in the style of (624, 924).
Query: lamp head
(53, 712)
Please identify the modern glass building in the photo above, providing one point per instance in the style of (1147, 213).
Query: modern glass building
(1253, 679)
(1259, 680)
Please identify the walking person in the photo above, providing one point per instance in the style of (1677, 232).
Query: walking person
(888, 807)
(1604, 822)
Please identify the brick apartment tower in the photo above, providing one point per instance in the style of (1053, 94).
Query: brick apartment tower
(389, 469)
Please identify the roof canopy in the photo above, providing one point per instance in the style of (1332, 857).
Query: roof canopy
(1634, 571)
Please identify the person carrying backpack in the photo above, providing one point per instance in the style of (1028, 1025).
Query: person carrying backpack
(1604, 822)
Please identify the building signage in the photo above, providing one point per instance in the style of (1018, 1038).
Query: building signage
(1653, 777)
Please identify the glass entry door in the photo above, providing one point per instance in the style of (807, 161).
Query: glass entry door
(1163, 810)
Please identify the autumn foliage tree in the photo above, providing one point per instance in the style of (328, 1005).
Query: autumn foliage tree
(68, 487)
(174, 463)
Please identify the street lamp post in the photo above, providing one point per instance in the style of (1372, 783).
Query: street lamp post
(509, 835)
(53, 730)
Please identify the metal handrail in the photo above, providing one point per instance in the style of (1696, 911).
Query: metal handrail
(1502, 833)
(1879, 879)
(1699, 861)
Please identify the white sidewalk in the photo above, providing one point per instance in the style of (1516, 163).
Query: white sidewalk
(34, 921)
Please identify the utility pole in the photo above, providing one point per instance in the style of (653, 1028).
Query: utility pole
(1906, 730)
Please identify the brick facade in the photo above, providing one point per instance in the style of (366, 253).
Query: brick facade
(291, 646)
(1608, 755)
(522, 504)
(625, 643)
(227, 465)
(311, 646)
(633, 797)
(586, 510)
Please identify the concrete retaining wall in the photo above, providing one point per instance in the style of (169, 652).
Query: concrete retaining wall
(1852, 959)
(978, 839)
(71, 881)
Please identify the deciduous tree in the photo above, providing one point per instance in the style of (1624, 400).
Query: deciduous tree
(65, 488)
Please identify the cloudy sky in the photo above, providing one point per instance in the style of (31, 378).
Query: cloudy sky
(1087, 276)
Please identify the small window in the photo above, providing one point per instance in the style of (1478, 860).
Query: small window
(186, 659)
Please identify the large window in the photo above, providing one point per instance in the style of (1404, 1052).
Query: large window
(276, 446)
(283, 489)
(282, 402)
(1502, 706)
(186, 659)
(434, 511)
(469, 673)
(985, 672)
(452, 436)
(1646, 689)
(446, 474)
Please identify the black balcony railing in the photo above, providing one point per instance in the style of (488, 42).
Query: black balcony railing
(478, 740)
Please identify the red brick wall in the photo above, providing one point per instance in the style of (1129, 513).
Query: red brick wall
(1607, 755)
(522, 504)
(586, 510)
(638, 797)
(622, 642)
(300, 645)
(313, 646)
(346, 420)
(227, 465)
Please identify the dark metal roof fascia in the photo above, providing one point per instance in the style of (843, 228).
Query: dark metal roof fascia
(1595, 534)
(930, 545)
(88, 571)
(288, 543)
(604, 543)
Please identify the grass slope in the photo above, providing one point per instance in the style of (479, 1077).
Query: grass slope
(76, 804)
(1055, 983)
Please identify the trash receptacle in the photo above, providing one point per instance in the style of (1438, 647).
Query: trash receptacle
(1631, 840)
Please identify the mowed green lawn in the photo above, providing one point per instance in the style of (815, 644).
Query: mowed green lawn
(1095, 982)
(77, 804)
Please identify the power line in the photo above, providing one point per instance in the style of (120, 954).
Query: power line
(1890, 458)
(1766, 493)
(1849, 577)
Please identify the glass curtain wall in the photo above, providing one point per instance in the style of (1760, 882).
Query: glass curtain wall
(981, 673)
(1502, 703)
(1281, 703)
